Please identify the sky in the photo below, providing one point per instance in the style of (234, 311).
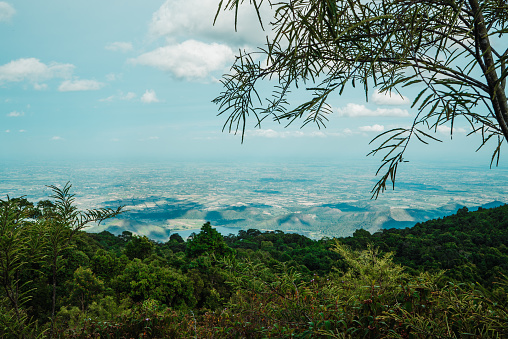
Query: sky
(134, 80)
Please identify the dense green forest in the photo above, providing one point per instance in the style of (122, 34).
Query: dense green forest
(445, 278)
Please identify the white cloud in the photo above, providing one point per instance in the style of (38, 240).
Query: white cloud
(149, 97)
(121, 96)
(184, 18)
(80, 85)
(373, 128)
(191, 60)
(6, 11)
(33, 70)
(270, 133)
(15, 114)
(447, 130)
(355, 110)
(7, 131)
(389, 98)
(56, 138)
(22, 131)
(119, 46)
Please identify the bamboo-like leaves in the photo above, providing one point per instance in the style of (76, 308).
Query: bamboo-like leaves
(16, 253)
(61, 223)
(65, 210)
(390, 44)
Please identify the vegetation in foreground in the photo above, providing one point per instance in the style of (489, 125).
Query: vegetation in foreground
(445, 278)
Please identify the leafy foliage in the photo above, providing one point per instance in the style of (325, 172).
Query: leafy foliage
(139, 247)
(445, 49)
(20, 245)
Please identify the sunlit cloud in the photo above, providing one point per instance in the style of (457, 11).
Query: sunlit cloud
(6, 11)
(32, 69)
(80, 85)
(56, 138)
(149, 97)
(354, 110)
(190, 60)
(183, 18)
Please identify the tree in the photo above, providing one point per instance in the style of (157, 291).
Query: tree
(176, 238)
(446, 47)
(106, 265)
(152, 280)
(139, 247)
(85, 287)
(62, 222)
(209, 240)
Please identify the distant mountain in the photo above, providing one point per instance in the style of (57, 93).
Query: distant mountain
(493, 204)
(470, 245)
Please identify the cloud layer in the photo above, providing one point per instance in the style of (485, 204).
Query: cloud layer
(373, 128)
(354, 110)
(447, 130)
(80, 85)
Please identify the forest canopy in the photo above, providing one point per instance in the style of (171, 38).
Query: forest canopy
(443, 278)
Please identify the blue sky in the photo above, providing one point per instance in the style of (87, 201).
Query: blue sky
(135, 79)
